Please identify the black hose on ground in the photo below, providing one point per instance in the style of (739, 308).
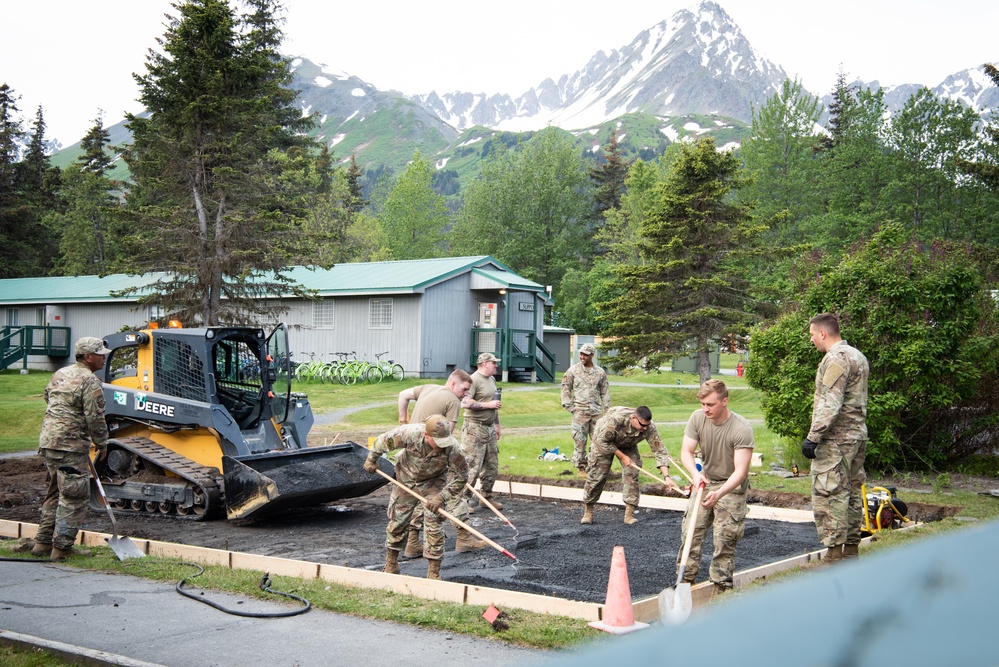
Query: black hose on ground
(265, 584)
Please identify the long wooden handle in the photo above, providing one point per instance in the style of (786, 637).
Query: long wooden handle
(488, 504)
(679, 465)
(448, 515)
(690, 535)
(653, 476)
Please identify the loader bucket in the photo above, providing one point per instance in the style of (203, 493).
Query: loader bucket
(263, 484)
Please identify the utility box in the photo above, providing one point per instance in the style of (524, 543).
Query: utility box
(688, 363)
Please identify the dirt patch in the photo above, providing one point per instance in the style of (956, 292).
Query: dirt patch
(556, 555)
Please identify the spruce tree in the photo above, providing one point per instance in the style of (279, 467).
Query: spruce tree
(688, 290)
(214, 211)
(609, 178)
(95, 158)
(987, 170)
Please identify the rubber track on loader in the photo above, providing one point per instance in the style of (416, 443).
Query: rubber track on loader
(195, 474)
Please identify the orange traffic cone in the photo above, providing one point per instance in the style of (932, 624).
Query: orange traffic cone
(618, 617)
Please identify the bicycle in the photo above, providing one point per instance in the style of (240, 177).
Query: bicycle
(389, 368)
(309, 370)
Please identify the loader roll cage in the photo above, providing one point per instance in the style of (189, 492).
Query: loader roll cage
(238, 368)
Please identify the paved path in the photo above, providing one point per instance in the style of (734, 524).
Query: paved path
(107, 616)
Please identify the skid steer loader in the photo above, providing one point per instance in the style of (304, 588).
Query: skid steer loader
(204, 419)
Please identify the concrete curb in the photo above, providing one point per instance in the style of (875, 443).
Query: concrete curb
(75, 654)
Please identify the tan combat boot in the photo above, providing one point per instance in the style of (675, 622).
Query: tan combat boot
(629, 514)
(63, 554)
(414, 548)
(434, 569)
(587, 515)
(833, 555)
(492, 501)
(851, 551)
(391, 561)
(466, 542)
(41, 549)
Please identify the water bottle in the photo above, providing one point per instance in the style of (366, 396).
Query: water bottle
(697, 462)
(498, 396)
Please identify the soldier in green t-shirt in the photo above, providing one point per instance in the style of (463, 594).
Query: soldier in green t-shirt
(726, 443)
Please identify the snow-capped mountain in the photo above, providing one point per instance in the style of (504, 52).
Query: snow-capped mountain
(697, 62)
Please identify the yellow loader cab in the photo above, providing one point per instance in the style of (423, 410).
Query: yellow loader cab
(204, 419)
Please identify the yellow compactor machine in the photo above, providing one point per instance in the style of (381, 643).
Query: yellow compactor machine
(204, 420)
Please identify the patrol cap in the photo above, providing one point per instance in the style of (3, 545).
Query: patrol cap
(90, 345)
(587, 349)
(439, 428)
(487, 356)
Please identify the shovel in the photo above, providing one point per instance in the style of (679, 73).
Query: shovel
(675, 605)
(656, 477)
(122, 547)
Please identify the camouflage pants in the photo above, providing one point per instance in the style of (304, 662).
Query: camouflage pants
(837, 500)
(599, 469)
(401, 510)
(456, 506)
(582, 428)
(481, 452)
(728, 517)
(66, 497)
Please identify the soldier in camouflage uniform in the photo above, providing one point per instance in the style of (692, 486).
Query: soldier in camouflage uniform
(837, 440)
(480, 431)
(586, 396)
(726, 443)
(430, 464)
(73, 419)
(437, 400)
(617, 435)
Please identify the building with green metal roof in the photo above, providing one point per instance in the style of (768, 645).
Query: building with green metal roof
(430, 315)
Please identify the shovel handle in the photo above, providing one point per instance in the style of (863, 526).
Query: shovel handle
(100, 488)
(488, 504)
(683, 470)
(448, 515)
(655, 477)
(690, 535)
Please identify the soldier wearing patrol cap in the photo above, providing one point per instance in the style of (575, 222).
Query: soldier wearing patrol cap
(586, 395)
(430, 464)
(480, 431)
(74, 418)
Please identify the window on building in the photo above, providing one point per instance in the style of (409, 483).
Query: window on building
(156, 313)
(322, 314)
(13, 315)
(40, 315)
(379, 313)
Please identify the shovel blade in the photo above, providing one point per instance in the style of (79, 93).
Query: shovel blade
(675, 605)
(124, 548)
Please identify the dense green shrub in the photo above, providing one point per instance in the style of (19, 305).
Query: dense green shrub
(925, 319)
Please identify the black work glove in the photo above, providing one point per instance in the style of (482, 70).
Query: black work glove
(371, 465)
(808, 448)
(434, 504)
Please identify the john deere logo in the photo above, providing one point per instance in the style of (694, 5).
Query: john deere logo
(144, 405)
(120, 397)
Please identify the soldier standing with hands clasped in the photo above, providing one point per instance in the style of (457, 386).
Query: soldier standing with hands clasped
(586, 395)
(73, 419)
(837, 439)
(480, 432)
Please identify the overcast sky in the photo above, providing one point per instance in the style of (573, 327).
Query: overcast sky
(77, 56)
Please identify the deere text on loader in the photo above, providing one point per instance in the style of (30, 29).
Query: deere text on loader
(205, 419)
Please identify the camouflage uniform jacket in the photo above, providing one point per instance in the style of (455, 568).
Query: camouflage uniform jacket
(419, 463)
(615, 431)
(75, 413)
(585, 390)
(839, 410)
